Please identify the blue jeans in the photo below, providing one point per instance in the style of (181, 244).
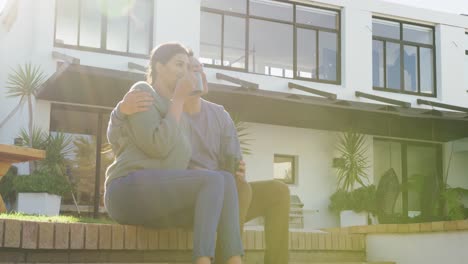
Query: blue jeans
(201, 199)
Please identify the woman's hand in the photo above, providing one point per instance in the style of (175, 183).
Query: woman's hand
(184, 87)
(135, 101)
(240, 173)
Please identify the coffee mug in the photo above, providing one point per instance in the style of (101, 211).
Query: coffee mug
(198, 85)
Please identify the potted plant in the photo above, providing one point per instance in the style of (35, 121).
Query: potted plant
(355, 207)
(351, 169)
(40, 192)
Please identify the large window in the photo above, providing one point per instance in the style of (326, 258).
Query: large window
(121, 27)
(271, 37)
(403, 57)
(418, 167)
(87, 129)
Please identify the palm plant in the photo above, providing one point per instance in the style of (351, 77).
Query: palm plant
(57, 147)
(354, 162)
(242, 134)
(24, 83)
(51, 170)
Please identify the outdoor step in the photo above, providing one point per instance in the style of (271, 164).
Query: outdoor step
(315, 256)
(342, 262)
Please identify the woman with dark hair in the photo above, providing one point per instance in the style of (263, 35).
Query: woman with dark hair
(149, 184)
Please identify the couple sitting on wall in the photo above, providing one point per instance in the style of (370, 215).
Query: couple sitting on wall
(178, 164)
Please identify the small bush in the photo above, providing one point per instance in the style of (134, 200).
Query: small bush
(358, 200)
(42, 181)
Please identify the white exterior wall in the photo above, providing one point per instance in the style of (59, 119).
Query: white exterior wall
(14, 49)
(315, 178)
(32, 35)
(429, 248)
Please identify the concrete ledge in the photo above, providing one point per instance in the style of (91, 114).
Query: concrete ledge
(442, 226)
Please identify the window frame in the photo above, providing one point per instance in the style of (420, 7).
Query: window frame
(466, 48)
(404, 144)
(466, 55)
(293, 168)
(402, 43)
(295, 26)
(102, 49)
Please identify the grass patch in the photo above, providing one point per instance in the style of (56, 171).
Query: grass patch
(55, 219)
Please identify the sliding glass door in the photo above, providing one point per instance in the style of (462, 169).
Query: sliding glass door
(419, 170)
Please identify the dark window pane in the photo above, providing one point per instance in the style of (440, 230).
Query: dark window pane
(272, 9)
(234, 42)
(238, 6)
(270, 47)
(316, 17)
(377, 63)
(140, 26)
(387, 29)
(67, 22)
(387, 154)
(90, 24)
(393, 65)
(417, 34)
(423, 178)
(327, 56)
(210, 37)
(117, 25)
(306, 53)
(427, 70)
(410, 60)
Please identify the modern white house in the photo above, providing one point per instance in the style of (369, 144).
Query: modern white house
(298, 73)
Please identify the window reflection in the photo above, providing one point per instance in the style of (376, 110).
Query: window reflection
(271, 9)
(327, 56)
(127, 25)
(411, 68)
(270, 46)
(307, 53)
(234, 42)
(81, 125)
(90, 24)
(427, 70)
(393, 65)
(210, 46)
(378, 63)
(67, 22)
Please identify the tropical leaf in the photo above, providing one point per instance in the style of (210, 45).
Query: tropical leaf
(37, 139)
(57, 146)
(242, 134)
(24, 82)
(353, 152)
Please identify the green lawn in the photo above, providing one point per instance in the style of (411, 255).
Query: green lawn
(55, 219)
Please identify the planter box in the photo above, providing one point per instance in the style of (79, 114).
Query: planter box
(351, 218)
(38, 203)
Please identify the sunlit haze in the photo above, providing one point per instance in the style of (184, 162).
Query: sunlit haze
(451, 6)
(2, 5)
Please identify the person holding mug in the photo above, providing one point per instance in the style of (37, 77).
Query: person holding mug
(149, 183)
